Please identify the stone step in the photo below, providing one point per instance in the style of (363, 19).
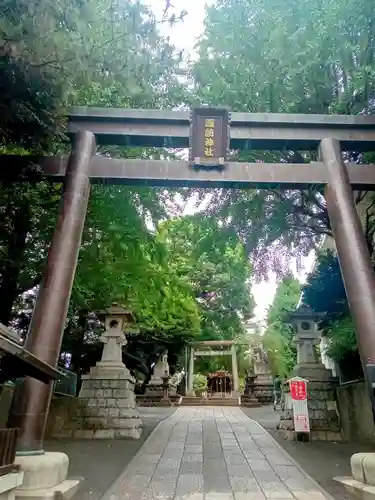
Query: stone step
(157, 401)
(250, 403)
(196, 401)
(321, 435)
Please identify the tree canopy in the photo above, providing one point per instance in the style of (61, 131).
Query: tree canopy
(81, 52)
(58, 53)
(293, 57)
(217, 269)
(278, 337)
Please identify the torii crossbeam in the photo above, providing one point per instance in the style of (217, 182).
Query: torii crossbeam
(170, 129)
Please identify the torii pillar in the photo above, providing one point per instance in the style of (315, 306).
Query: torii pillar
(47, 472)
(354, 257)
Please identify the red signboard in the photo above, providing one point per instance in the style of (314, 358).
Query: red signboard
(298, 389)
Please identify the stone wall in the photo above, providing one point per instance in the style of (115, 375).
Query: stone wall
(61, 417)
(355, 412)
(62, 410)
(323, 414)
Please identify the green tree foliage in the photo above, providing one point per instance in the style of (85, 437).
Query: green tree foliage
(342, 339)
(59, 53)
(216, 268)
(199, 383)
(291, 57)
(295, 57)
(27, 215)
(255, 55)
(277, 339)
(86, 52)
(55, 53)
(121, 260)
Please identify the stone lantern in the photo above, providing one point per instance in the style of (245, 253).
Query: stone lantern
(263, 377)
(107, 400)
(117, 320)
(306, 337)
(321, 401)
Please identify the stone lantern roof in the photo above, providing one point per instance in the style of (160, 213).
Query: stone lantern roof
(304, 313)
(116, 310)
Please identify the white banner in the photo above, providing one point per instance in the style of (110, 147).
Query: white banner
(301, 416)
(298, 391)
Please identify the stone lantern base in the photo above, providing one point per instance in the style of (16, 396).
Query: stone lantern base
(154, 390)
(321, 403)
(106, 407)
(313, 372)
(263, 388)
(248, 399)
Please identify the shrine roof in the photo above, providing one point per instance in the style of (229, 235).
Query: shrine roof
(219, 374)
(216, 343)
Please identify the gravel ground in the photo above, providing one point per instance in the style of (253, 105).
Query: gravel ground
(321, 460)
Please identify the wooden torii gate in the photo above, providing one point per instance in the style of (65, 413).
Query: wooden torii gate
(211, 133)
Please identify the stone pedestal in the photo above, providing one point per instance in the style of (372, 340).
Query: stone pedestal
(362, 482)
(45, 477)
(263, 389)
(107, 406)
(248, 398)
(321, 403)
(172, 390)
(8, 484)
(154, 391)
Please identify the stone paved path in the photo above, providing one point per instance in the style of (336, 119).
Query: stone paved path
(212, 454)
